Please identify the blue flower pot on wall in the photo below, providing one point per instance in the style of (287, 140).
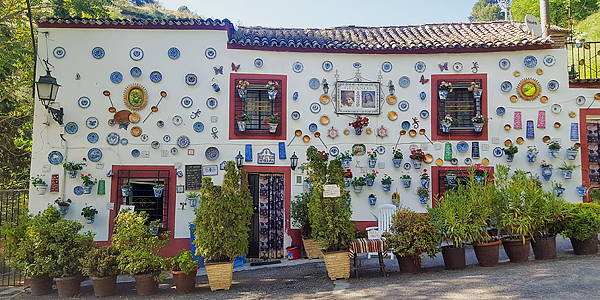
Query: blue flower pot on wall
(559, 191)
(386, 187)
(546, 173)
(478, 127)
(346, 163)
(446, 126)
(372, 200)
(423, 199)
(372, 162)
(347, 181)
(581, 191)
(477, 95)
(358, 131)
(397, 162)
(425, 183)
(451, 178)
(443, 94)
(531, 156)
(553, 152)
(406, 182)
(567, 174)
(158, 192)
(242, 93)
(572, 154)
(272, 94)
(369, 181)
(416, 164)
(87, 189)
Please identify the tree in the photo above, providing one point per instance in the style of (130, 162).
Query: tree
(558, 10)
(486, 10)
(141, 2)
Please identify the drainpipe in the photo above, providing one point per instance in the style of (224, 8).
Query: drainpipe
(544, 18)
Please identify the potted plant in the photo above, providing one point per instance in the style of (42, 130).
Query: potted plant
(567, 169)
(417, 157)
(272, 122)
(372, 199)
(510, 152)
(346, 158)
(359, 124)
(89, 213)
(447, 121)
(478, 122)
(386, 182)
(425, 179)
(358, 183)
(479, 173)
(73, 168)
(572, 152)
(242, 120)
(40, 184)
(582, 228)
(558, 188)
(126, 189)
(138, 248)
(410, 235)
(406, 180)
(372, 158)
(102, 265)
(398, 156)
(192, 197)
(348, 177)
(88, 183)
(299, 215)
(158, 189)
(550, 215)
(241, 88)
(222, 219)
(532, 153)
(184, 268)
(553, 148)
(546, 170)
(451, 177)
(63, 205)
(271, 89)
(423, 194)
(370, 177)
(444, 89)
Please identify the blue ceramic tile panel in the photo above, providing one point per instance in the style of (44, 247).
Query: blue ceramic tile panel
(574, 131)
(475, 150)
(282, 150)
(248, 152)
(530, 130)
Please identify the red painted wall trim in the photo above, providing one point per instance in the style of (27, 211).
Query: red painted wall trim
(464, 134)
(585, 174)
(585, 84)
(233, 77)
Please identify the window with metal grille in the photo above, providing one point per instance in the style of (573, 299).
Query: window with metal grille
(258, 105)
(442, 184)
(142, 196)
(460, 103)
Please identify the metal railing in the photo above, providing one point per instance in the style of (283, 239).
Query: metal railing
(13, 204)
(583, 60)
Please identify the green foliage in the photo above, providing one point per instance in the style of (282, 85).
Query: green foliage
(412, 233)
(486, 10)
(299, 213)
(591, 27)
(89, 212)
(359, 181)
(183, 262)
(223, 216)
(558, 10)
(71, 165)
(101, 262)
(584, 221)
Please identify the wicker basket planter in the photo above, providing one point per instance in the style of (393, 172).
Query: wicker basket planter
(312, 248)
(337, 264)
(219, 275)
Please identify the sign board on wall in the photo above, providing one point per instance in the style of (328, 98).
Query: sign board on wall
(357, 98)
(193, 177)
(331, 191)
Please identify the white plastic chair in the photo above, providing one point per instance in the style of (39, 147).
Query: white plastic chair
(383, 225)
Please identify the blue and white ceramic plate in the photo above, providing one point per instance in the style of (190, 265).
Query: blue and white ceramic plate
(420, 67)
(135, 153)
(468, 161)
(403, 105)
(297, 67)
(93, 137)
(504, 63)
(404, 81)
(155, 145)
(92, 122)
(454, 161)
(530, 61)
(98, 52)
(124, 141)
(405, 125)
(357, 65)
(259, 62)
(113, 138)
(191, 79)
(295, 96)
(500, 111)
(295, 115)
(423, 95)
(160, 123)
(506, 86)
(552, 85)
(174, 151)
(315, 107)
(380, 150)
(71, 128)
(136, 53)
(177, 120)
(556, 108)
(179, 173)
(313, 127)
(135, 72)
(386, 66)
(334, 151)
(549, 60)
(166, 138)
(211, 153)
(186, 102)
(155, 76)
(314, 83)
(407, 166)
(173, 53)
(498, 152)
(462, 147)
(183, 141)
(84, 102)
(78, 190)
(144, 137)
(580, 100)
(55, 157)
(198, 127)
(59, 52)
(210, 53)
(457, 66)
(424, 114)
(116, 77)
(95, 154)
(327, 66)
(112, 122)
(212, 103)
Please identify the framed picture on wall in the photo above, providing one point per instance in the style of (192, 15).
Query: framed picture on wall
(358, 98)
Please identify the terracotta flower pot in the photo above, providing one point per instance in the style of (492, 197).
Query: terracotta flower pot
(409, 264)
(68, 286)
(184, 283)
(544, 247)
(146, 284)
(104, 286)
(454, 258)
(41, 285)
(517, 250)
(487, 253)
(585, 247)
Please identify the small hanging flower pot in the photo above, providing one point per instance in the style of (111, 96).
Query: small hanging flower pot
(406, 182)
(346, 163)
(241, 126)
(242, 93)
(41, 188)
(559, 191)
(572, 154)
(126, 190)
(358, 189)
(63, 205)
(271, 89)
(369, 181)
(531, 156)
(273, 127)
(158, 190)
(372, 162)
(72, 173)
(546, 173)
(89, 213)
(423, 199)
(358, 131)
(347, 181)
(446, 126)
(386, 187)
(63, 210)
(567, 174)
(451, 178)
(416, 164)
(443, 94)
(397, 162)
(272, 94)
(372, 199)
(581, 191)
(87, 188)
(425, 183)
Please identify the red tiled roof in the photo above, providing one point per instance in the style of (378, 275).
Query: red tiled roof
(134, 23)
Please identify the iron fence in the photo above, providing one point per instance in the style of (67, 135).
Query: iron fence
(13, 203)
(583, 60)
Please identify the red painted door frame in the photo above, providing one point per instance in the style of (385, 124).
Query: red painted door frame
(585, 173)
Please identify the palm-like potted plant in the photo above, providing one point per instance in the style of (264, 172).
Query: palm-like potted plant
(39, 184)
(184, 268)
(567, 169)
(89, 213)
(299, 216)
(102, 265)
(73, 168)
(550, 215)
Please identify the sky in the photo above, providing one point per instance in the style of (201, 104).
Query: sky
(328, 13)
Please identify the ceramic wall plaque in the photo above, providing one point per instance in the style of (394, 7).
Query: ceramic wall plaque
(448, 151)
(574, 131)
(266, 157)
(475, 149)
(529, 133)
(541, 119)
(518, 123)
(282, 154)
(54, 184)
(248, 152)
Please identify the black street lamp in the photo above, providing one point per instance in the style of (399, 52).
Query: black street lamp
(47, 88)
(239, 160)
(294, 160)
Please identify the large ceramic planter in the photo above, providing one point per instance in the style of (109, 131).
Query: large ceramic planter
(517, 250)
(546, 173)
(346, 163)
(272, 94)
(531, 156)
(241, 126)
(478, 127)
(397, 162)
(337, 264)
(358, 189)
(41, 188)
(312, 248)
(184, 283)
(572, 154)
(158, 191)
(406, 182)
(146, 284)
(273, 127)
(443, 94)
(41, 285)
(416, 164)
(487, 253)
(446, 126)
(63, 209)
(409, 264)
(544, 247)
(454, 258)
(386, 186)
(68, 286)
(372, 200)
(585, 247)
(104, 286)
(372, 162)
(72, 173)
(87, 189)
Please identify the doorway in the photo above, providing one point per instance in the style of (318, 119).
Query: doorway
(267, 225)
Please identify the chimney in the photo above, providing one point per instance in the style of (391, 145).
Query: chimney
(544, 18)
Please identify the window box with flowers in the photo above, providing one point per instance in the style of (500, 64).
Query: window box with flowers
(406, 180)
(418, 157)
(532, 153)
(425, 179)
(272, 122)
(63, 205)
(398, 156)
(359, 124)
(242, 120)
(271, 89)
(370, 177)
(386, 182)
(546, 170)
(88, 183)
(372, 158)
(478, 122)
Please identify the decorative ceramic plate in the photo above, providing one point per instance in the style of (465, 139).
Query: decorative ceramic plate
(498, 152)
(136, 131)
(306, 138)
(392, 115)
(520, 140)
(211, 153)
(59, 52)
(95, 154)
(413, 147)
(405, 125)
(422, 95)
(135, 72)
(71, 128)
(424, 114)
(93, 137)
(113, 138)
(327, 66)
(324, 120)
(412, 133)
(332, 133)
(160, 123)
(297, 67)
(177, 120)
(468, 161)
(359, 149)
(295, 96)
(183, 141)
(187, 102)
(386, 66)
(155, 76)
(504, 64)
(55, 157)
(78, 190)
(507, 127)
(191, 79)
(507, 143)
(334, 151)
(546, 139)
(403, 105)
(136, 53)
(324, 99)
(112, 122)
(314, 83)
(391, 99)
(315, 107)
(552, 85)
(407, 166)
(357, 65)
(380, 150)
(462, 147)
(84, 102)
(506, 86)
(258, 63)
(420, 67)
(530, 61)
(457, 66)
(144, 137)
(92, 122)
(580, 100)
(174, 151)
(549, 60)
(210, 53)
(124, 141)
(179, 173)
(514, 98)
(155, 145)
(485, 161)
(295, 115)
(135, 153)
(539, 71)
(439, 162)
(428, 158)
(556, 108)
(166, 138)
(97, 52)
(173, 53)
(404, 81)
(572, 114)
(212, 103)
(134, 118)
(500, 111)
(454, 161)
(116, 77)
(313, 127)
(198, 127)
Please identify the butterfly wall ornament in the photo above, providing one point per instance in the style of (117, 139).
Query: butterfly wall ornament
(423, 81)
(443, 67)
(235, 67)
(218, 70)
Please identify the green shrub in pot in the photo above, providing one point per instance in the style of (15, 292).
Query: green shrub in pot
(101, 262)
(583, 221)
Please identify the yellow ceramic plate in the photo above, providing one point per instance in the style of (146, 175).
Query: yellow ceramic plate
(517, 74)
(544, 99)
(520, 140)
(412, 133)
(136, 131)
(306, 138)
(392, 115)
(507, 127)
(134, 118)
(546, 139)
(324, 99)
(485, 161)
(572, 114)
(369, 131)
(539, 71)
(428, 158)
(391, 99)
(513, 98)
(324, 120)
(346, 132)
(557, 124)
(439, 162)
(507, 143)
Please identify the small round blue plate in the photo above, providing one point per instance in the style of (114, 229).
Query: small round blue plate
(420, 67)
(183, 141)
(258, 62)
(553, 85)
(155, 76)
(97, 52)
(380, 150)
(174, 151)
(462, 147)
(112, 122)
(357, 65)
(155, 144)
(313, 127)
(93, 137)
(424, 114)
(549, 60)
(404, 81)
(500, 111)
(210, 53)
(144, 137)
(403, 105)
(59, 52)
(386, 67)
(78, 190)
(457, 66)
(92, 122)
(113, 138)
(580, 100)
(504, 64)
(498, 152)
(173, 53)
(135, 72)
(211, 153)
(198, 127)
(297, 67)
(71, 128)
(179, 173)
(95, 154)
(407, 166)
(136, 53)
(506, 86)
(177, 120)
(468, 161)
(315, 107)
(295, 96)
(116, 77)
(327, 66)
(423, 95)
(530, 61)
(212, 103)
(314, 83)
(124, 141)
(187, 102)
(135, 153)
(295, 115)
(191, 79)
(160, 123)
(334, 151)
(55, 157)
(166, 138)
(84, 102)
(405, 125)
